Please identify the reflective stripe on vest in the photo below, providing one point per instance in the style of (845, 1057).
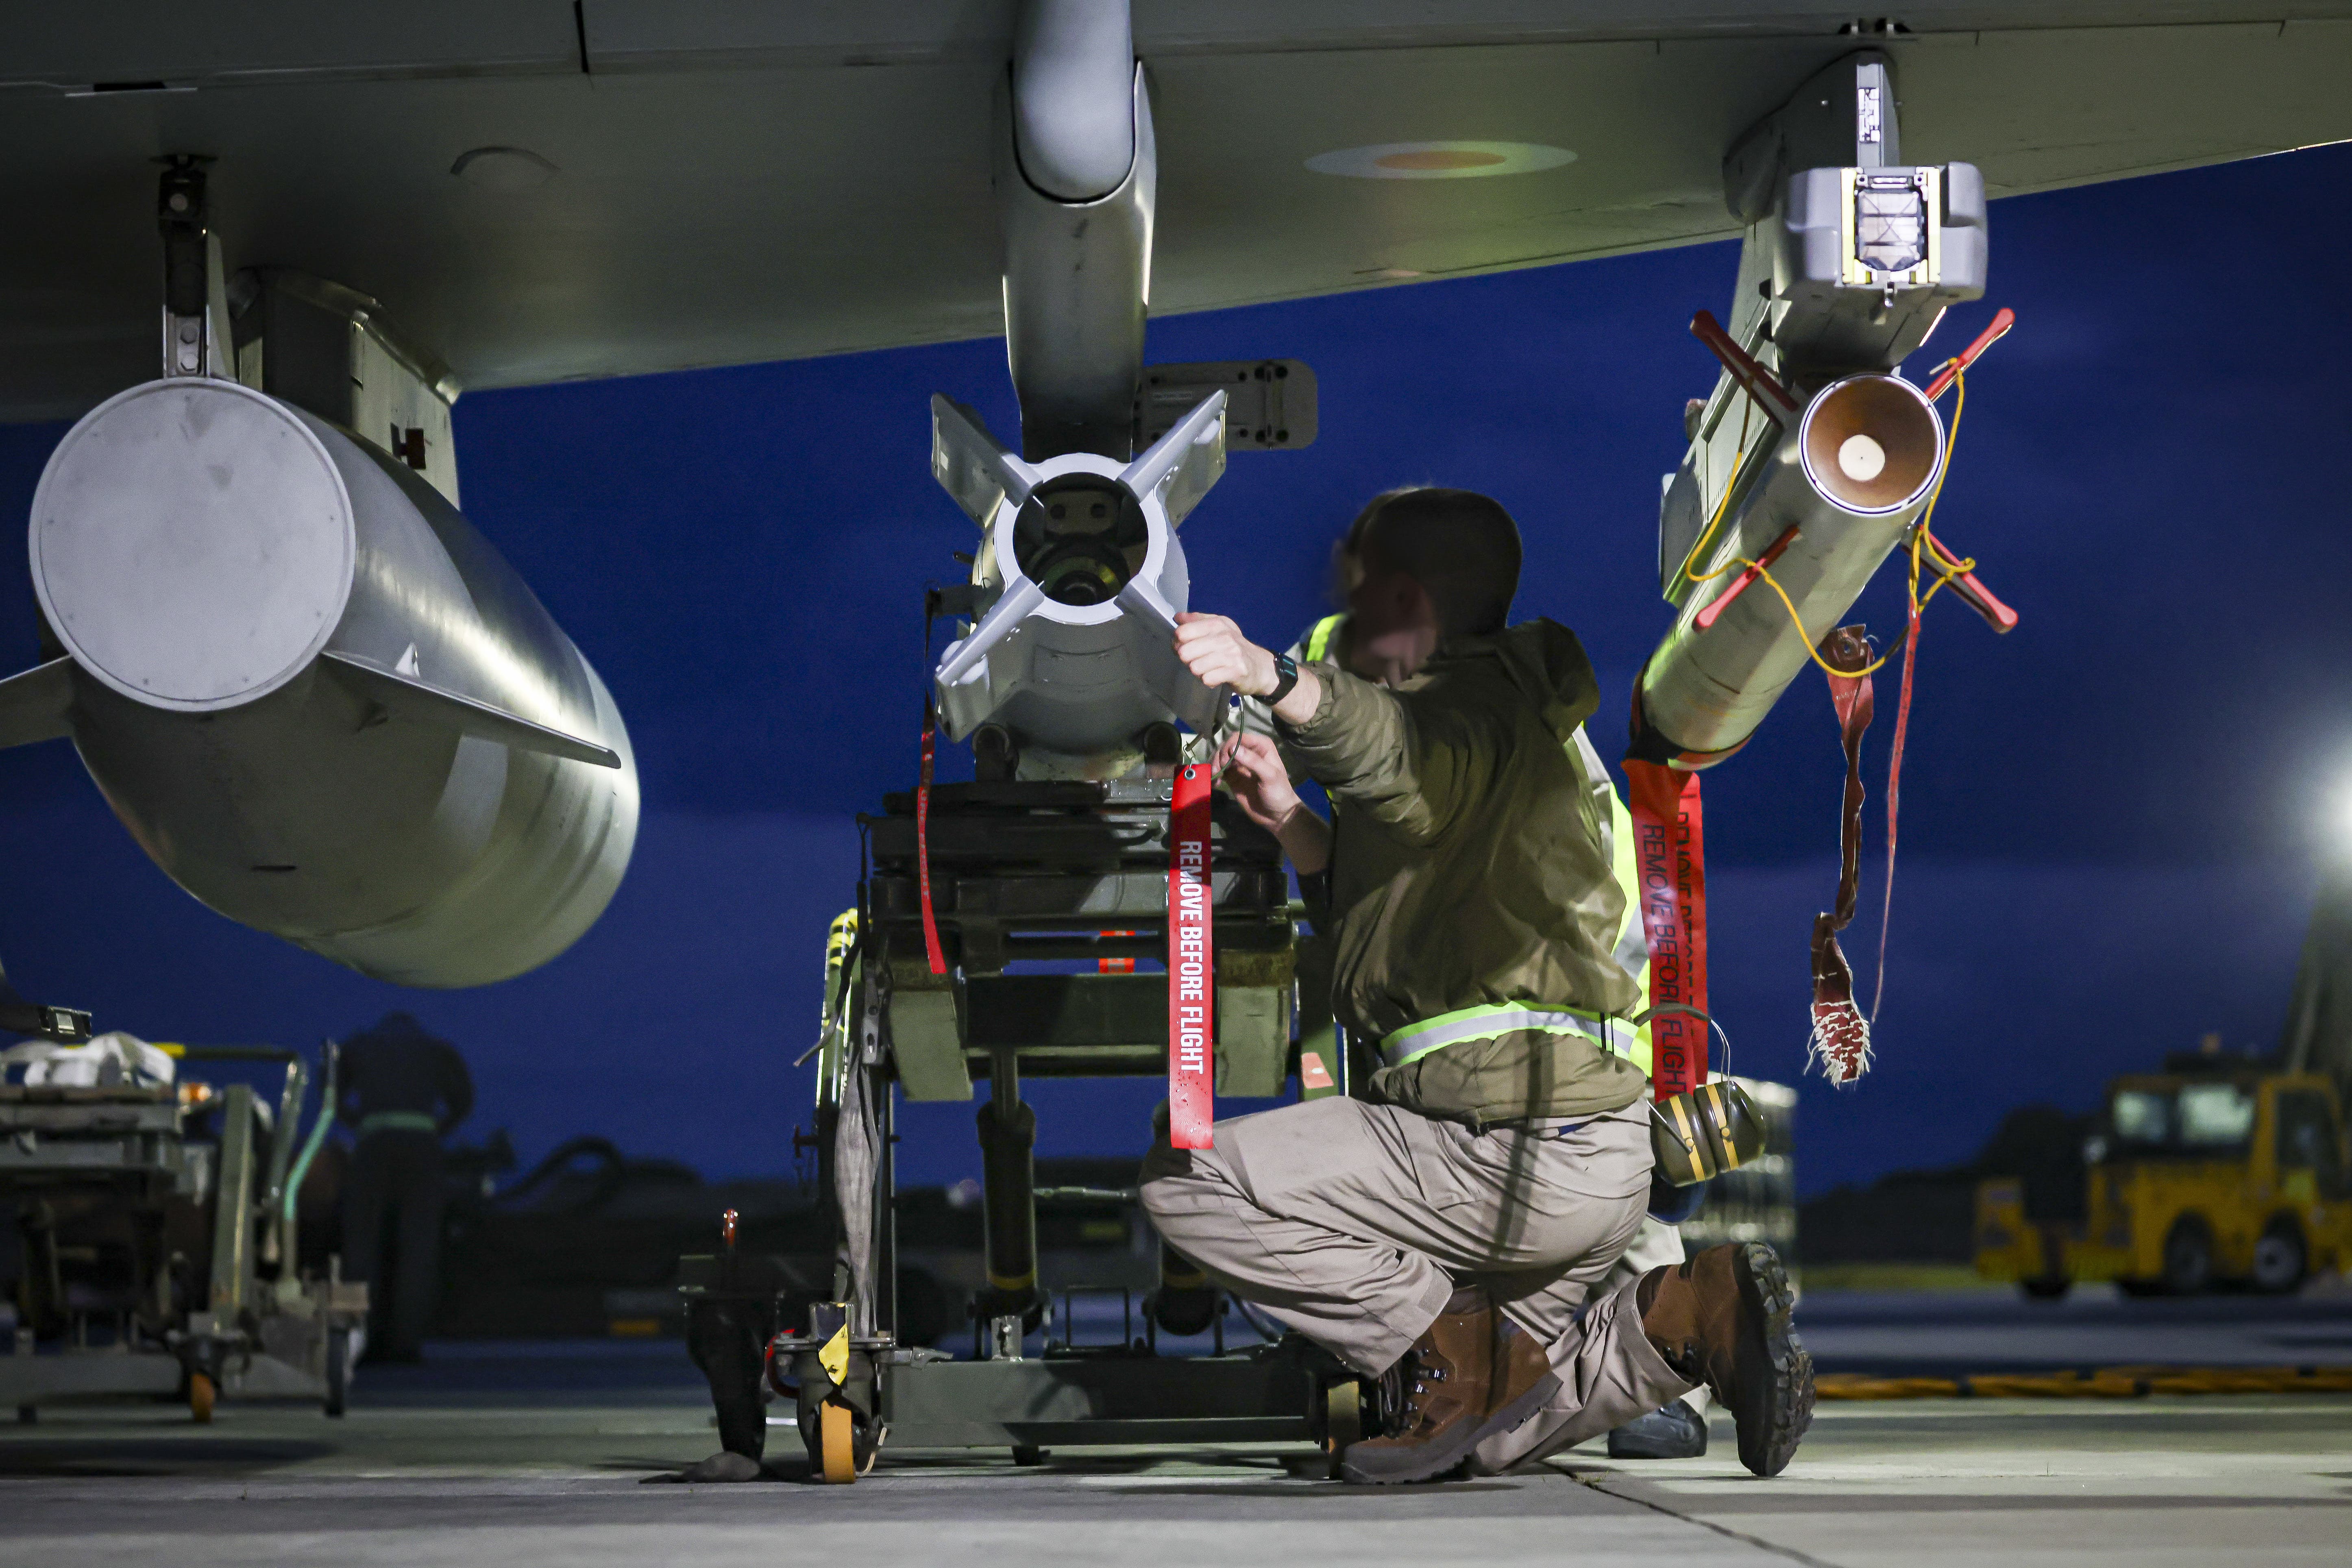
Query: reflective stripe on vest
(398, 1122)
(1316, 643)
(1497, 1018)
(1632, 950)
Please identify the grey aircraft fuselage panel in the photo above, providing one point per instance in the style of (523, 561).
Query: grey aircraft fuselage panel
(725, 183)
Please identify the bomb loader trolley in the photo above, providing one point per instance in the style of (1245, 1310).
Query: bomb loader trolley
(1026, 877)
(1029, 881)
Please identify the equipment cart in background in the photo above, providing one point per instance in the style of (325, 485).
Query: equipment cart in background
(160, 1254)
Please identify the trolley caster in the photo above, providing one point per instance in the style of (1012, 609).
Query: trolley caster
(1343, 1420)
(836, 1459)
(835, 1384)
(840, 1441)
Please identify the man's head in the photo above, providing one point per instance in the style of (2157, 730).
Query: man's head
(1431, 564)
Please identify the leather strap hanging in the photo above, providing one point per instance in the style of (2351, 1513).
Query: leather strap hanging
(1840, 1039)
(1192, 963)
(1895, 797)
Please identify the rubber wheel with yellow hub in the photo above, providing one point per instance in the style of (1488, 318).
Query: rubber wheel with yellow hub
(837, 1428)
(1343, 1418)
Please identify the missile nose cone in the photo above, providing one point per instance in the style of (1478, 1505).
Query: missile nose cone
(1861, 458)
(192, 544)
(1871, 443)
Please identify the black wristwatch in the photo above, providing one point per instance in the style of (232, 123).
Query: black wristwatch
(1286, 676)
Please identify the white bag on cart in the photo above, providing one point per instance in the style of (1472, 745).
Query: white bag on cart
(109, 1059)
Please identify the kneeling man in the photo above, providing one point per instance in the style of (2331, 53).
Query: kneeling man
(1452, 1229)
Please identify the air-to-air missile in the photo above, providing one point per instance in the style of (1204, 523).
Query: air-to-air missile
(1830, 484)
(319, 701)
(1813, 458)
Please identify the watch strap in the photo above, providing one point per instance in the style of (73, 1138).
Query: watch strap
(1286, 676)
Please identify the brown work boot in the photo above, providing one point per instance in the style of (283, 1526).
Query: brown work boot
(1473, 1374)
(1723, 1319)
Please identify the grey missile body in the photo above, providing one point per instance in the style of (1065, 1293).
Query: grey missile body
(318, 699)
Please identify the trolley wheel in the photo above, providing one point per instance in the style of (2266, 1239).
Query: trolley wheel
(201, 1394)
(837, 1456)
(1343, 1420)
(339, 1370)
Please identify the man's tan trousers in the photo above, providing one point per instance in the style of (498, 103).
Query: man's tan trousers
(1352, 1223)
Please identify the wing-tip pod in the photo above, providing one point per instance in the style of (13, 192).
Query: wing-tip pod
(407, 697)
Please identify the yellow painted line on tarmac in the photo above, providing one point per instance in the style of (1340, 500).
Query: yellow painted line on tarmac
(2107, 1382)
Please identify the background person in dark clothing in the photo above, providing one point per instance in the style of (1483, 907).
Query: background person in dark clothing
(401, 1091)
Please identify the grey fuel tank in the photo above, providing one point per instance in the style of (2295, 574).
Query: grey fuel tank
(315, 695)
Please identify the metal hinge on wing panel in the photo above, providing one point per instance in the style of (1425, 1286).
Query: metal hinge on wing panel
(1270, 404)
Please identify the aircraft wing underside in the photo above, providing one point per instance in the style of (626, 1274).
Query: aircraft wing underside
(679, 186)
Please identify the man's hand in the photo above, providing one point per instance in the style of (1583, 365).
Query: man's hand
(1252, 770)
(1213, 650)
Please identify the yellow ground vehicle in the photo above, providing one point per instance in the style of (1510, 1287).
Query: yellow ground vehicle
(2226, 1173)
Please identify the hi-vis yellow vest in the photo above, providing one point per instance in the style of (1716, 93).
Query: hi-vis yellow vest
(1632, 950)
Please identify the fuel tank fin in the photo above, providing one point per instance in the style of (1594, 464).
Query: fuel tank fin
(33, 703)
(405, 696)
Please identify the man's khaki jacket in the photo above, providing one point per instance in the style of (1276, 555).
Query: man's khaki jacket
(1470, 866)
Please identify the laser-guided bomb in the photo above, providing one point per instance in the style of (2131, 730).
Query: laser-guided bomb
(1077, 590)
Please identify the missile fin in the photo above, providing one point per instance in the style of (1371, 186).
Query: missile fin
(963, 676)
(1197, 704)
(34, 703)
(973, 466)
(405, 697)
(1187, 460)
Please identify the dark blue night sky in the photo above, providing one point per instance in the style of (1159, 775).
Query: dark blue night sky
(2110, 817)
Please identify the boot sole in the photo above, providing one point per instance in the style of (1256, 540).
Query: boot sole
(1661, 1435)
(1436, 1459)
(1776, 1371)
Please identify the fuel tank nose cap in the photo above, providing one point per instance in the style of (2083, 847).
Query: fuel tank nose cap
(192, 544)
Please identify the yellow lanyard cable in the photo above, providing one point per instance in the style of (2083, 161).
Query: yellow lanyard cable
(1947, 567)
(1731, 483)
